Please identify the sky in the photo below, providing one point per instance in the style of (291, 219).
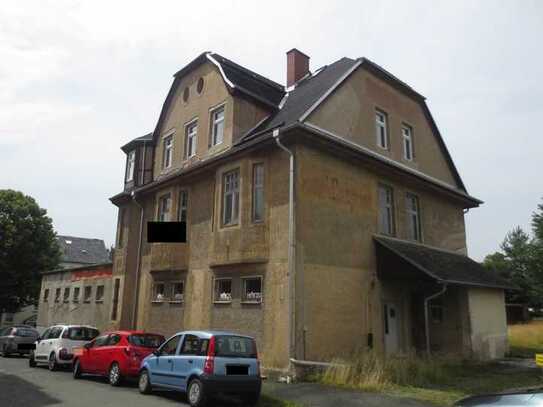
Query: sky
(78, 79)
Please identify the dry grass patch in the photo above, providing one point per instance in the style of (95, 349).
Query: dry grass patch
(526, 339)
(439, 380)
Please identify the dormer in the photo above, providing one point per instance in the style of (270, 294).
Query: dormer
(211, 104)
(139, 162)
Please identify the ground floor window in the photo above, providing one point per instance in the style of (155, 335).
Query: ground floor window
(100, 293)
(46, 295)
(178, 292)
(252, 289)
(76, 294)
(57, 295)
(223, 290)
(87, 295)
(66, 294)
(159, 292)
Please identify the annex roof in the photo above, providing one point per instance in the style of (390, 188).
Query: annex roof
(421, 262)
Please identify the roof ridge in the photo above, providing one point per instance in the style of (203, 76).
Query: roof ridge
(249, 71)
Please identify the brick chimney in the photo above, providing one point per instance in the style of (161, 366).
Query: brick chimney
(297, 66)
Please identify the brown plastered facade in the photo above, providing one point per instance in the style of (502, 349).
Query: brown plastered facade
(338, 297)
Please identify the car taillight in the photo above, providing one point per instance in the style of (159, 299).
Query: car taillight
(209, 365)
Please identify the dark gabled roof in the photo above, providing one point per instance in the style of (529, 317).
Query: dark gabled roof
(135, 142)
(82, 250)
(251, 83)
(437, 264)
(236, 78)
(307, 92)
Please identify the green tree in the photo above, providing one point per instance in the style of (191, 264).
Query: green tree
(537, 223)
(27, 247)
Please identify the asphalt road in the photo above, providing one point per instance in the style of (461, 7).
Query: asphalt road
(22, 386)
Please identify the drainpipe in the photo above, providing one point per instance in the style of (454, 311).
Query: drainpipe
(426, 316)
(140, 238)
(291, 250)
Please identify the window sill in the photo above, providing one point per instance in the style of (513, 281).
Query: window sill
(99, 301)
(252, 302)
(222, 302)
(158, 301)
(176, 302)
(66, 302)
(86, 302)
(76, 301)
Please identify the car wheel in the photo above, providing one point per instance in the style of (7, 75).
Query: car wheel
(195, 393)
(31, 360)
(114, 375)
(251, 399)
(52, 364)
(76, 371)
(144, 383)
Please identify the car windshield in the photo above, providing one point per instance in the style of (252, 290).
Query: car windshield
(80, 333)
(146, 340)
(235, 346)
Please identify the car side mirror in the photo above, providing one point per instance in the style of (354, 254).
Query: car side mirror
(38, 339)
(156, 352)
(87, 346)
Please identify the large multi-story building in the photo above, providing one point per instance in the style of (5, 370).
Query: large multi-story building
(322, 217)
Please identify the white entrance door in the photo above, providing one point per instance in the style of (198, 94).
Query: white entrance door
(392, 328)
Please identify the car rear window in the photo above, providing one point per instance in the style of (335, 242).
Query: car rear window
(146, 340)
(80, 333)
(24, 332)
(235, 346)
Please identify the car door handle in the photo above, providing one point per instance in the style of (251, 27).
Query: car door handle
(190, 361)
(169, 361)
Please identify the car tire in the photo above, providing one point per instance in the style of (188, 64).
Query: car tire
(52, 363)
(195, 393)
(114, 374)
(76, 371)
(251, 400)
(31, 360)
(144, 382)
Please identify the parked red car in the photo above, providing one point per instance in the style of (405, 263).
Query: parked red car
(115, 354)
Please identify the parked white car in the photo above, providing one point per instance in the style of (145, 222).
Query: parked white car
(55, 346)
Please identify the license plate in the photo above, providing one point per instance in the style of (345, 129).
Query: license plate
(237, 370)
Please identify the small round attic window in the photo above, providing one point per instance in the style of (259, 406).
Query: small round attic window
(186, 94)
(200, 85)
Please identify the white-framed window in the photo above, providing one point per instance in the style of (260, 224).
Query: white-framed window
(386, 210)
(177, 292)
(407, 137)
(222, 290)
(100, 293)
(412, 209)
(164, 208)
(381, 129)
(159, 292)
(191, 134)
(217, 126)
(66, 294)
(87, 293)
(75, 297)
(251, 289)
(167, 151)
(230, 189)
(130, 165)
(258, 192)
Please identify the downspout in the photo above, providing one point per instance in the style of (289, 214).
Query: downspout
(291, 251)
(427, 318)
(140, 238)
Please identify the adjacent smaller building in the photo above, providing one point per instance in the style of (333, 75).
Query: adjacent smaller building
(81, 290)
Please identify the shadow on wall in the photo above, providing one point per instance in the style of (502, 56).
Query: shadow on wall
(22, 393)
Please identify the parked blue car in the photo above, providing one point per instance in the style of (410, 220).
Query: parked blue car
(204, 364)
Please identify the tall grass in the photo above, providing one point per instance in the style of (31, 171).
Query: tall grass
(526, 339)
(369, 371)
